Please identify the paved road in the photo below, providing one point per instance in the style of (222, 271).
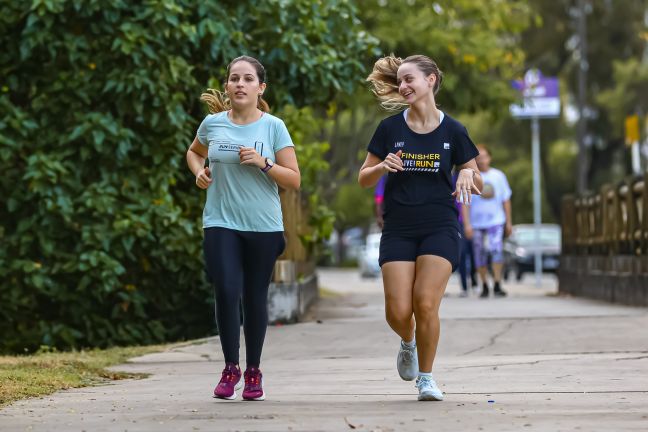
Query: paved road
(531, 362)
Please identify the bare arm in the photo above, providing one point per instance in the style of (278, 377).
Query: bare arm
(469, 182)
(508, 227)
(473, 182)
(285, 170)
(468, 231)
(478, 182)
(373, 168)
(196, 156)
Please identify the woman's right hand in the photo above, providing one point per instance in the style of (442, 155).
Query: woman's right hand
(393, 162)
(203, 178)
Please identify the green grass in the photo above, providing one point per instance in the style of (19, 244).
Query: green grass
(327, 293)
(44, 373)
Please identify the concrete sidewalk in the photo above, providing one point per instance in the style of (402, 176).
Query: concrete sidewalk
(529, 362)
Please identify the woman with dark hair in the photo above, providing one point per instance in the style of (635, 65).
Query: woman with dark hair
(421, 240)
(250, 154)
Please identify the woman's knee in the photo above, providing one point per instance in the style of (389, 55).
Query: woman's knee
(398, 316)
(427, 308)
(256, 308)
(227, 293)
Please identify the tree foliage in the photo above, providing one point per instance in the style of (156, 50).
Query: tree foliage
(475, 43)
(616, 87)
(629, 95)
(616, 36)
(304, 126)
(99, 217)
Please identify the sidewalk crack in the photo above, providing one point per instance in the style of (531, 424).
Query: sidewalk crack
(493, 338)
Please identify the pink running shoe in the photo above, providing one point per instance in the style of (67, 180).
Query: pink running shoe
(253, 390)
(229, 383)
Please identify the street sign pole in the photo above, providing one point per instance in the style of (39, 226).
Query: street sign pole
(537, 203)
(540, 100)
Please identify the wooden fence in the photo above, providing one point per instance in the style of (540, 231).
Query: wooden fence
(295, 262)
(605, 243)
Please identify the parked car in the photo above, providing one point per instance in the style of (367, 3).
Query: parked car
(368, 259)
(347, 252)
(520, 248)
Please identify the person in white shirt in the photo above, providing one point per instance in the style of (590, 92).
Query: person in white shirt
(487, 221)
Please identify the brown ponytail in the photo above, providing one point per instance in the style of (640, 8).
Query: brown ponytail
(263, 105)
(216, 100)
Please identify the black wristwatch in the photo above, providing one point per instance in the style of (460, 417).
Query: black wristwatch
(269, 164)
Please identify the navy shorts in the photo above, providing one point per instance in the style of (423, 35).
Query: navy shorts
(445, 242)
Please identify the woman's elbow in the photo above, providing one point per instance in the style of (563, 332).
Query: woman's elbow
(295, 183)
(362, 181)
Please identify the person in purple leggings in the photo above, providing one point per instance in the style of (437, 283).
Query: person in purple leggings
(487, 221)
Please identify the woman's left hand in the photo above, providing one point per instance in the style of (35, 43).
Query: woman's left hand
(465, 186)
(250, 157)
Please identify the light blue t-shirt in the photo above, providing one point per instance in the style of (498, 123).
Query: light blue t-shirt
(242, 197)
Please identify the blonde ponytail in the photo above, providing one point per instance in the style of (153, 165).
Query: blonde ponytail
(384, 83)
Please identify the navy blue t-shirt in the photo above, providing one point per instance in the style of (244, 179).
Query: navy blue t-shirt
(419, 199)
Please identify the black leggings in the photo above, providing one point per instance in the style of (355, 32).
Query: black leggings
(240, 263)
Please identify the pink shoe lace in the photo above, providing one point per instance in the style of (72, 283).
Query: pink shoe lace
(253, 384)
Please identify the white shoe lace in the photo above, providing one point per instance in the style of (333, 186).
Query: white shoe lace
(425, 381)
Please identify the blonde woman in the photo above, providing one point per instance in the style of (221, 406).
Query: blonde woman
(420, 245)
(250, 154)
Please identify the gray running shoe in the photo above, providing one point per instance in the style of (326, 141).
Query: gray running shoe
(407, 362)
(428, 389)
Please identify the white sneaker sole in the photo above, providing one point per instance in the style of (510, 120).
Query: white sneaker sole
(429, 397)
(238, 386)
(406, 377)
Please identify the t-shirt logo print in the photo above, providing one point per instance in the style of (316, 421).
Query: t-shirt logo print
(399, 144)
(446, 146)
(258, 146)
(488, 191)
(429, 162)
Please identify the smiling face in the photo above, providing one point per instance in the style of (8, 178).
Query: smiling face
(243, 86)
(413, 84)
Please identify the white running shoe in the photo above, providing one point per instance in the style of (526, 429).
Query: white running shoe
(428, 389)
(407, 362)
